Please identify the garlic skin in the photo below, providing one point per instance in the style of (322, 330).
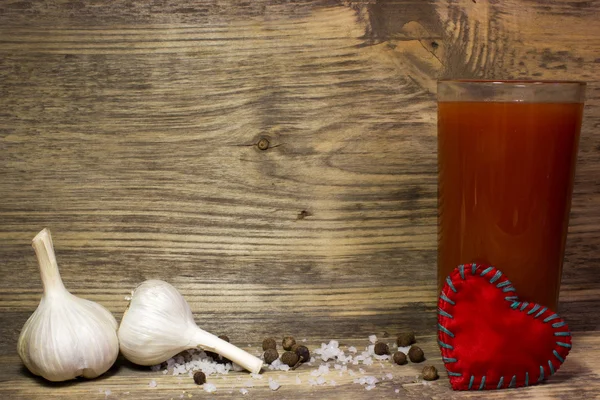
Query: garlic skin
(159, 324)
(66, 336)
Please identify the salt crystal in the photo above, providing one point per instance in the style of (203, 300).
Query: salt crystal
(397, 391)
(389, 376)
(369, 387)
(298, 381)
(127, 298)
(273, 385)
(372, 338)
(303, 340)
(165, 371)
(362, 371)
(312, 360)
(249, 384)
(320, 380)
(256, 376)
(244, 391)
(332, 383)
(337, 366)
(371, 380)
(107, 392)
(312, 382)
(352, 349)
(152, 383)
(236, 367)
(368, 361)
(209, 387)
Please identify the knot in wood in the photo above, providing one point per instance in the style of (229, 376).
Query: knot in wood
(263, 144)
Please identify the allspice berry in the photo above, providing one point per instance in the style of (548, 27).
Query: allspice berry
(416, 355)
(270, 355)
(199, 378)
(269, 343)
(406, 339)
(303, 353)
(289, 358)
(288, 342)
(430, 373)
(400, 358)
(225, 338)
(381, 349)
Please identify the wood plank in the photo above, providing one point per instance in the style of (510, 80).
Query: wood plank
(131, 130)
(126, 381)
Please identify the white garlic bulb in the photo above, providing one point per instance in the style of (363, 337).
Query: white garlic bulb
(159, 324)
(66, 336)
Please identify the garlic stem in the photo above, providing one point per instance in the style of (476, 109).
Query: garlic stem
(210, 342)
(44, 250)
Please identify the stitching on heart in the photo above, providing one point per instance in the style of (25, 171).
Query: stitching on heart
(506, 287)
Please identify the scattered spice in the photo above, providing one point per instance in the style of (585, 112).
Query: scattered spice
(225, 338)
(416, 355)
(270, 355)
(430, 373)
(381, 349)
(199, 378)
(400, 358)
(406, 339)
(303, 353)
(288, 342)
(269, 343)
(289, 358)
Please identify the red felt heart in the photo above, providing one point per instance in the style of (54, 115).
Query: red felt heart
(491, 340)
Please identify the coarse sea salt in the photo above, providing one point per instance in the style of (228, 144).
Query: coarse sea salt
(373, 339)
(209, 387)
(152, 383)
(244, 391)
(273, 385)
(189, 361)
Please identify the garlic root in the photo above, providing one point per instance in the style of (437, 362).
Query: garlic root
(159, 324)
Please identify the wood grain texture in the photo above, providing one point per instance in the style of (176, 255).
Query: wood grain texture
(131, 130)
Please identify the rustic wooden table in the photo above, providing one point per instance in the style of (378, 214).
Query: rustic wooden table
(275, 161)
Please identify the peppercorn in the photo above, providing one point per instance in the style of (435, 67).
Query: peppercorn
(289, 358)
(269, 343)
(294, 347)
(400, 358)
(406, 339)
(303, 353)
(270, 355)
(288, 342)
(225, 338)
(199, 378)
(381, 349)
(430, 373)
(416, 355)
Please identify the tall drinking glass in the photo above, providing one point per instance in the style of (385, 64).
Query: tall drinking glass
(506, 161)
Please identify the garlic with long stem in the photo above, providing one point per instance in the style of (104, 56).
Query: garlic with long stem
(66, 336)
(159, 324)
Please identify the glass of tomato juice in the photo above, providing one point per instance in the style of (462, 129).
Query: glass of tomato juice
(506, 162)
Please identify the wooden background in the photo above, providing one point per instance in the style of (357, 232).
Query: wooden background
(274, 160)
